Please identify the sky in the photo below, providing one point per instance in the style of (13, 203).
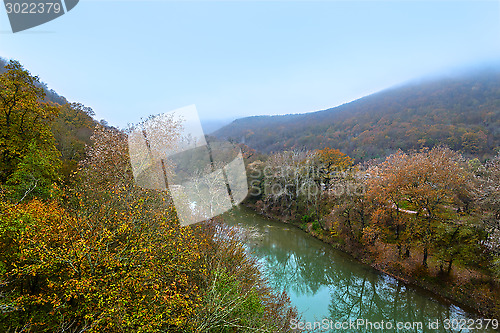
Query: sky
(131, 59)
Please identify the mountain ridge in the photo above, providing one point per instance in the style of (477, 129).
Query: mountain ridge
(461, 111)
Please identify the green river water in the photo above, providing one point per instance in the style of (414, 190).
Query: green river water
(335, 291)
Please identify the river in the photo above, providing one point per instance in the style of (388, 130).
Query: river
(334, 290)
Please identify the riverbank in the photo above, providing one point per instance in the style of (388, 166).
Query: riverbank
(468, 289)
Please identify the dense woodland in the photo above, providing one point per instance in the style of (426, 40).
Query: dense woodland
(461, 112)
(430, 217)
(83, 249)
(406, 180)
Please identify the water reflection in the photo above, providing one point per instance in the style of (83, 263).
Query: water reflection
(327, 284)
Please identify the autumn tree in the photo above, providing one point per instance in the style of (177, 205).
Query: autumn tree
(29, 160)
(421, 193)
(289, 183)
(348, 208)
(488, 197)
(113, 258)
(332, 161)
(293, 183)
(72, 129)
(389, 220)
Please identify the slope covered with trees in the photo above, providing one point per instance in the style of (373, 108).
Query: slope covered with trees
(430, 217)
(462, 112)
(96, 253)
(71, 124)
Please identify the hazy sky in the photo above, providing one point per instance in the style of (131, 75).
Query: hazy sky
(131, 59)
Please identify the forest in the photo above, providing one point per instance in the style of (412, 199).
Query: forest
(430, 217)
(406, 181)
(83, 249)
(461, 112)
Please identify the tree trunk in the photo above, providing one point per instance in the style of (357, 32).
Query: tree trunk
(424, 261)
(450, 262)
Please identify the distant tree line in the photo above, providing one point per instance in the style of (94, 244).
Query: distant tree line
(462, 113)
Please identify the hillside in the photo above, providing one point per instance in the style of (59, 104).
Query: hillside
(99, 253)
(462, 112)
(72, 128)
